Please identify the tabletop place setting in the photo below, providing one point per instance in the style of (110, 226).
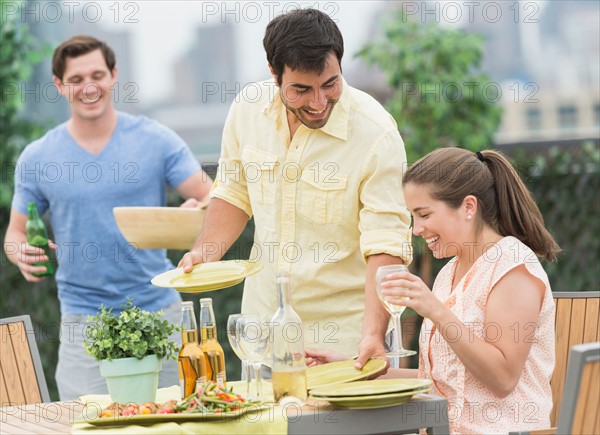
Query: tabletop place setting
(206, 395)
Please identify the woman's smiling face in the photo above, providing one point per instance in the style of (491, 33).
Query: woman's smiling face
(446, 230)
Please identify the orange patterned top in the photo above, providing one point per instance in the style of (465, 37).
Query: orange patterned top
(472, 408)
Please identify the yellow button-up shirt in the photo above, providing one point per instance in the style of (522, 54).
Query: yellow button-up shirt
(322, 202)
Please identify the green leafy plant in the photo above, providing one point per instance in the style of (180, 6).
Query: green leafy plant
(439, 95)
(20, 52)
(133, 333)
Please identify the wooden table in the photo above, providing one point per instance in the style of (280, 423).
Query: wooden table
(423, 411)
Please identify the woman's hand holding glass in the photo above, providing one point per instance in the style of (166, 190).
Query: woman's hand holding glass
(393, 305)
(410, 291)
(253, 337)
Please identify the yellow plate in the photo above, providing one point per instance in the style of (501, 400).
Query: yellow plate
(90, 416)
(371, 388)
(207, 276)
(341, 372)
(376, 401)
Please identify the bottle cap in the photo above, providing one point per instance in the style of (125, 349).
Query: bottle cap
(206, 301)
(187, 304)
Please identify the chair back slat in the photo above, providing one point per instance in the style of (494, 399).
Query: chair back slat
(22, 379)
(592, 318)
(592, 424)
(3, 389)
(581, 408)
(576, 322)
(597, 308)
(25, 365)
(563, 318)
(10, 370)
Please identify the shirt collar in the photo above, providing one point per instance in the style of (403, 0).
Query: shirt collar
(337, 125)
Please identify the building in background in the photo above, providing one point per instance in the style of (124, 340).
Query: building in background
(544, 56)
(554, 94)
(206, 84)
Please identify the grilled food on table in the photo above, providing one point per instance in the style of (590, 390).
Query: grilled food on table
(210, 399)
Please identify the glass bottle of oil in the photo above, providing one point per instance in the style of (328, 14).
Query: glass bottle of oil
(213, 352)
(288, 365)
(191, 361)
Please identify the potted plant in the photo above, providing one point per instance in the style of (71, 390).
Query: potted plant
(130, 347)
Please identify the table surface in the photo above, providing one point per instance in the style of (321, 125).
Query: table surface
(423, 411)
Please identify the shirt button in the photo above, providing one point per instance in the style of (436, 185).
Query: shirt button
(292, 173)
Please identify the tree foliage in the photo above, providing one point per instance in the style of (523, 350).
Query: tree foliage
(566, 187)
(19, 52)
(439, 97)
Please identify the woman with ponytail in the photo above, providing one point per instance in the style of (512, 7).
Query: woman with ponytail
(487, 340)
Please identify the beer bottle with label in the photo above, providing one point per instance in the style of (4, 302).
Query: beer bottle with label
(213, 352)
(288, 365)
(191, 362)
(38, 236)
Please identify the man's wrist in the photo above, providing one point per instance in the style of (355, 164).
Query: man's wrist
(376, 326)
(375, 336)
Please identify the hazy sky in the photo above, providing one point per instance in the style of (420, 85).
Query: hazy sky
(165, 30)
(162, 31)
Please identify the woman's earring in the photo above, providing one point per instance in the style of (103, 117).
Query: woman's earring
(469, 217)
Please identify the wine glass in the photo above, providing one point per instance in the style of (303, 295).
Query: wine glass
(253, 337)
(234, 341)
(393, 309)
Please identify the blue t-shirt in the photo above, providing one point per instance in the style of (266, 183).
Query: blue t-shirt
(96, 265)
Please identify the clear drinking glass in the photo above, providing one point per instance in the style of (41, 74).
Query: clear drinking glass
(394, 310)
(253, 334)
(234, 341)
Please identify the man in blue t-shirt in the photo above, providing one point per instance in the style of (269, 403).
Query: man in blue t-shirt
(79, 171)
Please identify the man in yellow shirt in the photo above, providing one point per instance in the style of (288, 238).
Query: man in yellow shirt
(319, 166)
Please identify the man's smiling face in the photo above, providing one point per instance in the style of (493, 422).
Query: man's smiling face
(310, 97)
(87, 84)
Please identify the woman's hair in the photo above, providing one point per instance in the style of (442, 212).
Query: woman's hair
(302, 39)
(78, 46)
(504, 202)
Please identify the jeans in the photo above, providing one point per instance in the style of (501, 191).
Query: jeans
(77, 373)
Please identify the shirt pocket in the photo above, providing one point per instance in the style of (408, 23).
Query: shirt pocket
(260, 175)
(322, 201)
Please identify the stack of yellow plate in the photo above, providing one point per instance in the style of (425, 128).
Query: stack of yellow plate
(341, 372)
(376, 393)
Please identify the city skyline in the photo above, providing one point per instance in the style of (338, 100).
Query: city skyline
(183, 61)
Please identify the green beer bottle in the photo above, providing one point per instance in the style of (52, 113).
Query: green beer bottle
(38, 237)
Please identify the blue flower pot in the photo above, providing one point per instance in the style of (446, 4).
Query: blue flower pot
(132, 380)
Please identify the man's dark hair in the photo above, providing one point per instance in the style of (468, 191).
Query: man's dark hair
(302, 39)
(78, 46)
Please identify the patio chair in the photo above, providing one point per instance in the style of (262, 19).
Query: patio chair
(22, 379)
(577, 315)
(576, 322)
(580, 410)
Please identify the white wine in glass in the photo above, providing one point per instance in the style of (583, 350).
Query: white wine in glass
(395, 310)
